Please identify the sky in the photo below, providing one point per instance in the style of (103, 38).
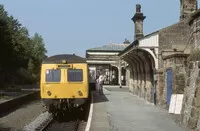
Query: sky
(73, 26)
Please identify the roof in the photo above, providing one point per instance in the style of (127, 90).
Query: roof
(155, 32)
(135, 43)
(110, 47)
(70, 58)
(130, 46)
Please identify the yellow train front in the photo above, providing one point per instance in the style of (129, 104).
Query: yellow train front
(64, 83)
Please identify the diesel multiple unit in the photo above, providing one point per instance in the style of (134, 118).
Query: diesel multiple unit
(64, 83)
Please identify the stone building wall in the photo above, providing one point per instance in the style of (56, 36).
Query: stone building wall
(177, 62)
(195, 30)
(191, 101)
(187, 7)
(139, 87)
(160, 87)
(190, 115)
(173, 39)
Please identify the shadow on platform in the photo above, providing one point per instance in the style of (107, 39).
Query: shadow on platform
(117, 89)
(97, 98)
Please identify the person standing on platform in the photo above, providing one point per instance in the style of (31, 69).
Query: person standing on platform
(97, 83)
(100, 85)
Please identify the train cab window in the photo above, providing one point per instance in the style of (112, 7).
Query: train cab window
(53, 75)
(75, 75)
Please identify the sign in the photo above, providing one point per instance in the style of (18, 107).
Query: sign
(172, 103)
(65, 66)
(176, 103)
(179, 101)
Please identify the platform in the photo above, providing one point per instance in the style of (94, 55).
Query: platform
(25, 90)
(119, 110)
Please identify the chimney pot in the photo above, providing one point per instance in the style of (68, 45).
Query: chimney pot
(138, 8)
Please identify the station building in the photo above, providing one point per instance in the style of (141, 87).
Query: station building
(105, 59)
(161, 63)
(157, 61)
(154, 63)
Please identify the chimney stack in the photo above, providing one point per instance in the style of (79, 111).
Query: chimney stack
(187, 7)
(138, 19)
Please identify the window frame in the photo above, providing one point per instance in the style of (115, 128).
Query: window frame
(53, 81)
(76, 80)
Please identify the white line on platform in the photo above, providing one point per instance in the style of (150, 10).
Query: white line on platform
(90, 115)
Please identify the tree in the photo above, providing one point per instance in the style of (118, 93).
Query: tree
(17, 50)
(38, 55)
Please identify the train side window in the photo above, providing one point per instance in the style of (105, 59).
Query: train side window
(75, 75)
(53, 75)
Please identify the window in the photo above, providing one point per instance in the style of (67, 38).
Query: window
(75, 75)
(53, 75)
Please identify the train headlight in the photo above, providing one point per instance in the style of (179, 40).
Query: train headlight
(64, 61)
(80, 93)
(49, 93)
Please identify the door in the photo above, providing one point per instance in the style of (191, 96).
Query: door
(169, 85)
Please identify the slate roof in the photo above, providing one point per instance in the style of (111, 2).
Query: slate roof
(110, 47)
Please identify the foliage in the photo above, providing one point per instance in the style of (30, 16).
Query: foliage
(18, 50)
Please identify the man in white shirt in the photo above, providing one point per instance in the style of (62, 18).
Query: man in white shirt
(101, 80)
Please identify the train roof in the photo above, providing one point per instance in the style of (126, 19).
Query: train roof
(70, 58)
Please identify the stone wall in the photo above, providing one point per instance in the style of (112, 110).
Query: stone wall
(160, 87)
(187, 7)
(177, 62)
(195, 30)
(139, 87)
(191, 101)
(173, 39)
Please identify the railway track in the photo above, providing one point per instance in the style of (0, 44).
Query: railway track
(52, 125)
(75, 122)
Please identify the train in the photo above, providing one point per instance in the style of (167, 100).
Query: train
(64, 83)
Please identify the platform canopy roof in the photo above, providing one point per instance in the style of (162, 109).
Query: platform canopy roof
(110, 47)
